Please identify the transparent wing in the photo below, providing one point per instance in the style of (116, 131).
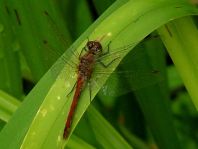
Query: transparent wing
(122, 83)
(132, 70)
(136, 71)
(68, 57)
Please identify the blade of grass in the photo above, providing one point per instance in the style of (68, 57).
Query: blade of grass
(135, 141)
(75, 21)
(8, 106)
(46, 106)
(153, 99)
(180, 37)
(32, 28)
(10, 76)
(106, 135)
(76, 142)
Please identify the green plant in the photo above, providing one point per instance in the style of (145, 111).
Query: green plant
(39, 121)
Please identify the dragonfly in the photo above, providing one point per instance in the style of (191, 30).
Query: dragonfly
(92, 55)
(85, 69)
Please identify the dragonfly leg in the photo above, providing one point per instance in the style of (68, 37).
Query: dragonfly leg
(108, 47)
(107, 65)
(72, 89)
(105, 53)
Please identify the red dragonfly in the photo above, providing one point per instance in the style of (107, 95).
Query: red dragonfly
(90, 56)
(87, 62)
(85, 69)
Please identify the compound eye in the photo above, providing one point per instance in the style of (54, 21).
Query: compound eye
(90, 44)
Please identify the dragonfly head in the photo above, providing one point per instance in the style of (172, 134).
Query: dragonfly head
(94, 47)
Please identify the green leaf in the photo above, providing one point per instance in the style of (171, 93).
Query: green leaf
(8, 106)
(10, 76)
(136, 142)
(180, 38)
(106, 135)
(39, 122)
(76, 142)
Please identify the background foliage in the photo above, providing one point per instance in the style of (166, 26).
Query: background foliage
(140, 111)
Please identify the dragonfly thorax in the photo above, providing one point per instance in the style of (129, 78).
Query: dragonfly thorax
(85, 66)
